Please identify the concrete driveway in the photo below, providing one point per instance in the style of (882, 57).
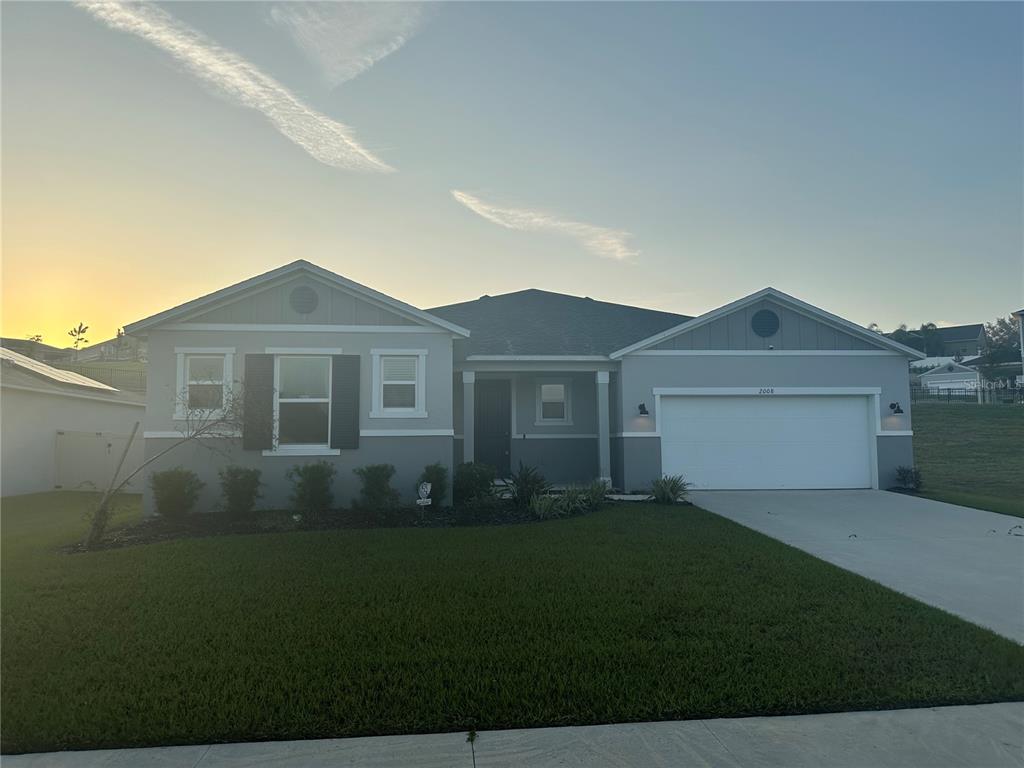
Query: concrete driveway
(963, 560)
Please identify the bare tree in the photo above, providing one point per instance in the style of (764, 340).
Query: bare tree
(200, 424)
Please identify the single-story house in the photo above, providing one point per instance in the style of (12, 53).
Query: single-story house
(61, 430)
(951, 375)
(765, 392)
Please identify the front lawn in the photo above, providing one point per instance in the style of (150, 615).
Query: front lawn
(971, 454)
(636, 612)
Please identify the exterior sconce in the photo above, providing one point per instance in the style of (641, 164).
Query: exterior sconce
(895, 408)
(642, 409)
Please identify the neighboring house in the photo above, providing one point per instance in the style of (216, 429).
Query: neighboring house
(37, 350)
(951, 375)
(765, 392)
(963, 340)
(61, 429)
(1019, 314)
(125, 348)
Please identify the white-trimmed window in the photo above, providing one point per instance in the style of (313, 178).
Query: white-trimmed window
(398, 383)
(302, 402)
(204, 377)
(554, 405)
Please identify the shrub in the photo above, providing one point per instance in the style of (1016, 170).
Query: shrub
(526, 483)
(481, 510)
(574, 501)
(908, 478)
(472, 481)
(437, 475)
(239, 487)
(596, 491)
(312, 495)
(175, 492)
(670, 489)
(376, 493)
(545, 507)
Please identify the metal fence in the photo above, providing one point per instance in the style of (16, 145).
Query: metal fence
(128, 379)
(988, 396)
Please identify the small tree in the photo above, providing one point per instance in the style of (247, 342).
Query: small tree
(199, 423)
(78, 334)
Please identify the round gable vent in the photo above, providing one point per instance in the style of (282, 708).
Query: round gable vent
(764, 323)
(303, 299)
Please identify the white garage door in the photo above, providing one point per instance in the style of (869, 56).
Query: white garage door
(767, 442)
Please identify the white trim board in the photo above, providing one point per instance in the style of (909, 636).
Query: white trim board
(302, 350)
(299, 328)
(767, 352)
(761, 391)
(784, 299)
(407, 433)
(538, 358)
(82, 396)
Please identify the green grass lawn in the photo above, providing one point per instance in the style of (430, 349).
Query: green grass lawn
(636, 612)
(971, 454)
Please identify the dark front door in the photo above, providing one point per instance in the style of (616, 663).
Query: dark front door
(493, 418)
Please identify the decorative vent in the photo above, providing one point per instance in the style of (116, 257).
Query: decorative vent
(303, 299)
(764, 323)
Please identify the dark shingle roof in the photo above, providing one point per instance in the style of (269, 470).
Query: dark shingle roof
(534, 322)
(959, 332)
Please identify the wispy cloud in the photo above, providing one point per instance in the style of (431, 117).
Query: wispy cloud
(327, 140)
(346, 39)
(608, 243)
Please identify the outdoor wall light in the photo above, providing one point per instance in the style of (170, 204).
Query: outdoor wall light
(642, 408)
(895, 408)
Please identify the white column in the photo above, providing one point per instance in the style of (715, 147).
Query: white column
(604, 441)
(468, 412)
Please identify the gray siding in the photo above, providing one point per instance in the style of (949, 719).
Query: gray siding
(205, 457)
(893, 451)
(796, 331)
(334, 307)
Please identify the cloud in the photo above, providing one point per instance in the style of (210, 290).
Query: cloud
(345, 39)
(604, 242)
(327, 140)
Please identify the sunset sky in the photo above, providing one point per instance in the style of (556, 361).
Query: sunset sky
(864, 157)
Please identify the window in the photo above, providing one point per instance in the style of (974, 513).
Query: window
(398, 389)
(553, 402)
(205, 377)
(303, 415)
(203, 381)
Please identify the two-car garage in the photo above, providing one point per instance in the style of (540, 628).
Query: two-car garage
(769, 439)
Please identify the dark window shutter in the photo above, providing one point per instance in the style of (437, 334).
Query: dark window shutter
(345, 401)
(258, 402)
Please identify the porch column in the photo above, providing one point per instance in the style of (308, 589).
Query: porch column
(604, 442)
(468, 411)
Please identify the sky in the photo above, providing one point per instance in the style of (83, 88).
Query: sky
(867, 158)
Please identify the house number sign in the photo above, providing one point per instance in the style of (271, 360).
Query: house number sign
(766, 391)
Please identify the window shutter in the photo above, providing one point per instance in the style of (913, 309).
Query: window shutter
(258, 402)
(345, 401)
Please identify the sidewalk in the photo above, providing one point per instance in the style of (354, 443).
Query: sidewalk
(979, 736)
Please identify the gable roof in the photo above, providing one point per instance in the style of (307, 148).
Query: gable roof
(785, 299)
(950, 367)
(21, 372)
(280, 274)
(961, 332)
(543, 323)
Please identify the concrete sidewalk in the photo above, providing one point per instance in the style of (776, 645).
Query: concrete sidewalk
(979, 736)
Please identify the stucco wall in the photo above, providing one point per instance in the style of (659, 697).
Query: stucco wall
(161, 393)
(30, 421)
(206, 457)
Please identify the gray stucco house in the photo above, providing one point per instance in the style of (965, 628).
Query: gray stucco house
(765, 392)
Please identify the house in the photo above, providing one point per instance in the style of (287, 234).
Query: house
(117, 348)
(950, 375)
(1019, 314)
(37, 350)
(61, 430)
(765, 392)
(963, 340)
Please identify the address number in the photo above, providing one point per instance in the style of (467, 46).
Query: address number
(766, 391)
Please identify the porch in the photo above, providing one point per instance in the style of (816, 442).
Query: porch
(554, 415)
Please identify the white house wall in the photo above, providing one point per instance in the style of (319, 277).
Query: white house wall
(30, 422)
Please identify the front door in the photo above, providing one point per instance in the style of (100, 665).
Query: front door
(493, 419)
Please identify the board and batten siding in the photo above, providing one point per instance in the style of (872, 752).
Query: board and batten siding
(797, 331)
